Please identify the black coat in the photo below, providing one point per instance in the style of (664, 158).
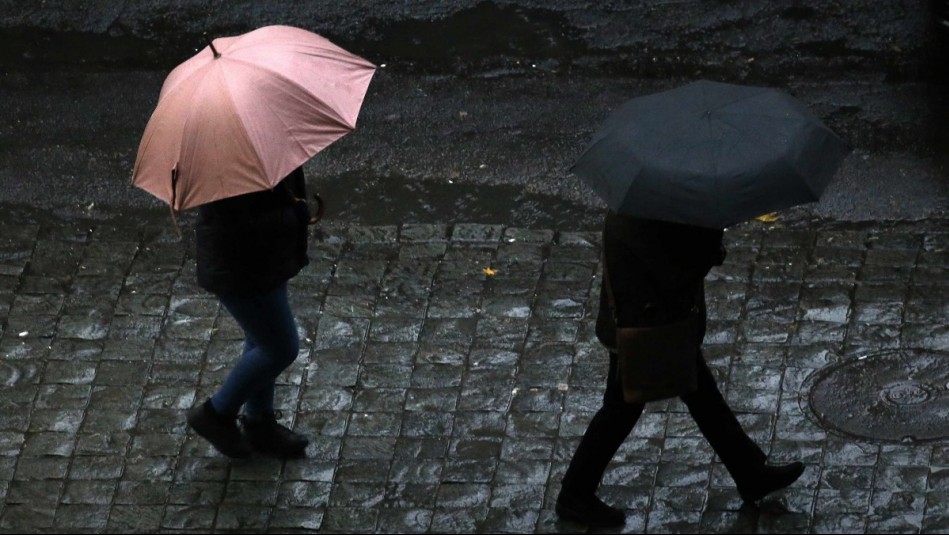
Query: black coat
(252, 243)
(657, 272)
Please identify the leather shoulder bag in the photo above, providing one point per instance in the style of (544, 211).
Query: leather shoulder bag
(655, 363)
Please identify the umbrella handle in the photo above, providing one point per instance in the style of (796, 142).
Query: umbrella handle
(320, 206)
(211, 44)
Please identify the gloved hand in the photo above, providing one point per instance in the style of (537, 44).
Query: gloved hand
(302, 211)
(304, 215)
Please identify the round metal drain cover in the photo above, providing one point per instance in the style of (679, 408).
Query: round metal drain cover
(896, 396)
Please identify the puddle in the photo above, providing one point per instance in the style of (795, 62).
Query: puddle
(485, 38)
(365, 200)
(391, 200)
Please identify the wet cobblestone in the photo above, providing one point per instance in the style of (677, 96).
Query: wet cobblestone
(446, 374)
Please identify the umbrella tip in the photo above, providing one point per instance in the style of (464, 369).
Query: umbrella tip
(211, 44)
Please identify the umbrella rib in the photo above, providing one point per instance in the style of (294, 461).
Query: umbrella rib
(783, 162)
(230, 97)
(287, 127)
(736, 100)
(282, 121)
(150, 134)
(281, 76)
(761, 140)
(179, 84)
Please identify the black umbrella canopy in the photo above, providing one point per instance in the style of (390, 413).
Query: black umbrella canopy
(710, 154)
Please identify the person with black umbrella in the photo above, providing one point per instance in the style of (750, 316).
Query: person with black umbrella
(655, 274)
(675, 169)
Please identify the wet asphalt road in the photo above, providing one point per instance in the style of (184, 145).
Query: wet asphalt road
(481, 100)
(429, 147)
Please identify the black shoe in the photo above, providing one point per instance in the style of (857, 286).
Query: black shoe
(588, 510)
(220, 430)
(769, 479)
(267, 436)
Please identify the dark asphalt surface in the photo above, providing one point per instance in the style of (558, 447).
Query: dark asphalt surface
(472, 94)
(71, 140)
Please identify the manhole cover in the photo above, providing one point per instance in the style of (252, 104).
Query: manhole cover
(896, 396)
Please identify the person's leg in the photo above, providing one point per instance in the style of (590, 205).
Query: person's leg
(718, 424)
(271, 344)
(261, 401)
(606, 432)
(743, 459)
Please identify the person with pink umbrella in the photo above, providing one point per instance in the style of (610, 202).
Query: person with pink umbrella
(230, 134)
(248, 248)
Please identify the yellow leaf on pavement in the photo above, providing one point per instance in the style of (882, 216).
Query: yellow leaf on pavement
(768, 218)
(488, 271)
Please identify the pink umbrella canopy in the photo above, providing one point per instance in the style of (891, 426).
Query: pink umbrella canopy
(246, 111)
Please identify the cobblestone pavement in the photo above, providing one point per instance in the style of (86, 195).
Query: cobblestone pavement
(440, 398)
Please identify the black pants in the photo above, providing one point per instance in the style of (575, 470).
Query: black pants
(616, 418)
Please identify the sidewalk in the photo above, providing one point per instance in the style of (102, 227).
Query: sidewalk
(441, 399)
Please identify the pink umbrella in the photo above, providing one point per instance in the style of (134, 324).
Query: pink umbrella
(246, 111)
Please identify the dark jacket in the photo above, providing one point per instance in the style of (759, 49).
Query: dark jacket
(657, 271)
(252, 243)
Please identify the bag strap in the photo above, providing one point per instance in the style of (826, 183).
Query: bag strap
(609, 289)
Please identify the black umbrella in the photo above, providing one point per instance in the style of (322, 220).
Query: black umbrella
(710, 154)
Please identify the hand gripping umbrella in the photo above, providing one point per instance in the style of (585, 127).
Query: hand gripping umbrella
(245, 111)
(710, 154)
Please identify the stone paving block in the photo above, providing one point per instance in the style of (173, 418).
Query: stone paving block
(413, 232)
(404, 520)
(150, 468)
(939, 478)
(151, 493)
(476, 232)
(893, 238)
(32, 326)
(89, 493)
(925, 303)
(19, 518)
(926, 335)
(885, 273)
(189, 517)
(34, 492)
(41, 468)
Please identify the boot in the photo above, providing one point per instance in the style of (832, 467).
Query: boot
(769, 479)
(220, 430)
(267, 436)
(588, 510)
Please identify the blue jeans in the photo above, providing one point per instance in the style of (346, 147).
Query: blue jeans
(271, 344)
